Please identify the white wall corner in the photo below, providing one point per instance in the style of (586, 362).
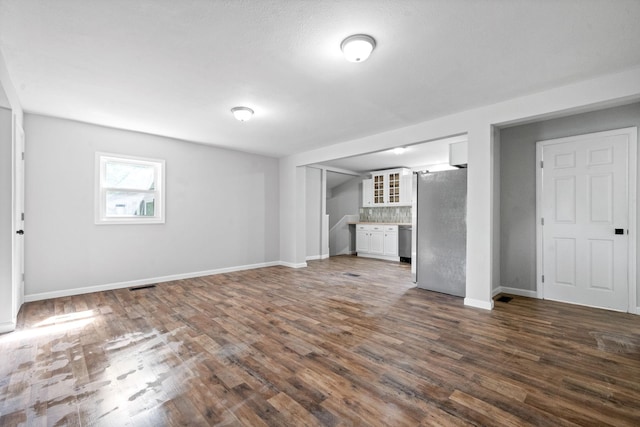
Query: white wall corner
(7, 327)
(293, 264)
(476, 303)
(518, 292)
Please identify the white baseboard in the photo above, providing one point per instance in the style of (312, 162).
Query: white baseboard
(486, 305)
(515, 291)
(292, 264)
(7, 327)
(383, 257)
(141, 282)
(317, 257)
(345, 252)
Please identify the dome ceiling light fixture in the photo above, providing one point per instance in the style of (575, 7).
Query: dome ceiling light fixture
(242, 113)
(358, 47)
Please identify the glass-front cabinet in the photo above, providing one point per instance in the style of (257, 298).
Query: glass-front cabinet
(379, 189)
(388, 188)
(394, 188)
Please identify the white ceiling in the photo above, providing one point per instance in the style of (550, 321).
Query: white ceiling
(176, 68)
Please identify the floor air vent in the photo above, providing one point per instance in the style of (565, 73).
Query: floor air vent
(351, 274)
(504, 299)
(137, 288)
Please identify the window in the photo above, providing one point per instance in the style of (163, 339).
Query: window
(130, 190)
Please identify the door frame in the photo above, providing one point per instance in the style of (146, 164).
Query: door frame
(632, 158)
(17, 209)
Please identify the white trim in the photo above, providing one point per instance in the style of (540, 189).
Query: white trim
(477, 303)
(148, 281)
(633, 203)
(632, 158)
(317, 257)
(514, 291)
(293, 265)
(539, 251)
(7, 327)
(337, 170)
(382, 257)
(346, 252)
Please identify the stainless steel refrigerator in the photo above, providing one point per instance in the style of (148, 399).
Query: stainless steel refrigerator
(439, 219)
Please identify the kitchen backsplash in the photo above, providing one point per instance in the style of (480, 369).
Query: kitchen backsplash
(399, 214)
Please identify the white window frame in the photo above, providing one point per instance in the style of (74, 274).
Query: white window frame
(100, 190)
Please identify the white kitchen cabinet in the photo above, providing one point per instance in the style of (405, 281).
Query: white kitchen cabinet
(458, 154)
(362, 241)
(367, 193)
(406, 189)
(388, 188)
(391, 240)
(377, 241)
(379, 189)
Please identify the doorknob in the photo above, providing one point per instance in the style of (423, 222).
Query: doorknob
(20, 232)
(619, 231)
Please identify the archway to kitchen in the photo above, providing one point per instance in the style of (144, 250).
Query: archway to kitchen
(334, 193)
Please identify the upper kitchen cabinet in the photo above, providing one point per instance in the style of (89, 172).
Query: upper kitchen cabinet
(458, 154)
(387, 188)
(367, 193)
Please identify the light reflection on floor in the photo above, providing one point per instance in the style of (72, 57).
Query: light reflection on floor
(141, 371)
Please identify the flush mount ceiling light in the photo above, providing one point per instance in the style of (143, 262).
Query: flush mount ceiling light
(399, 150)
(358, 47)
(242, 113)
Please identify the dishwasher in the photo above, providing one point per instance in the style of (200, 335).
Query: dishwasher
(404, 243)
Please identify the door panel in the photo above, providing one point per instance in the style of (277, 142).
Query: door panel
(584, 199)
(377, 242)
(565, 252)
(362, 241)
(565, 203)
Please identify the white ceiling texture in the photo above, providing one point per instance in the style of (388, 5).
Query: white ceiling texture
(176, 68)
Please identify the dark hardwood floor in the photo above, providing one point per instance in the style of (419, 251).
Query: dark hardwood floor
(346, 341)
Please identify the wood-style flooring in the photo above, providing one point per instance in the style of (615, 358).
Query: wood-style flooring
(347, 341)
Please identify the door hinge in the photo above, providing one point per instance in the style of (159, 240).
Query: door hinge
(23, 277)
(22, 216)
(543, 278)
(23, 155)
(541, 164)
(541, 221)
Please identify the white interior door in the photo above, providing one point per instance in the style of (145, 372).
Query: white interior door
(18, 221)
(587, 219)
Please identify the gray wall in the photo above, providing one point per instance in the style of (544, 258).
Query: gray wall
(222, 209)
(518, 184)
(344, 199)
(313, 212)
(6, 229)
